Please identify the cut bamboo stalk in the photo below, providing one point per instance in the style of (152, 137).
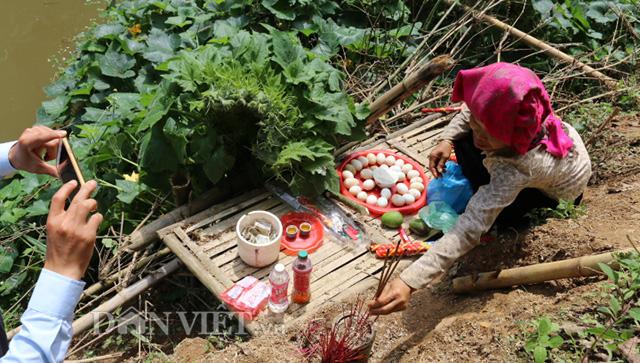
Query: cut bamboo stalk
(575, 267)
(88, 320)
(96, 315)
(539, 44)
(147, 234)
(409, 86)
(99, 286)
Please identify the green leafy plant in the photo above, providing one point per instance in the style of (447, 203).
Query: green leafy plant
(543, 339)
(593, 22)
(564, 210)
(175, 97)
(603, 328)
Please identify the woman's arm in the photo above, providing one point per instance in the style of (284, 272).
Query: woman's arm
(458, 126)
(482, 211)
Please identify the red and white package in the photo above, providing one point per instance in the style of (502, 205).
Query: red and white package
(247, 297)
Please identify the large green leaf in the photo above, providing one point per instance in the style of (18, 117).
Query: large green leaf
(157, 108)
(7, 257)
(280, 8)
(14, 281)
(108, 31)
(218, 164)
(56, 106)
(286, 48)
(115, 64)
(334, 107)
(177, 134)
(128, 190)
(38, 208)
(156, 151)
(161, 46)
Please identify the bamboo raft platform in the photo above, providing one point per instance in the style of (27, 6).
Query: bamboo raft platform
(206, 242)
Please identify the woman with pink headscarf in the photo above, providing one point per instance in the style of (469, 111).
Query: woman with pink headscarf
(517, 154)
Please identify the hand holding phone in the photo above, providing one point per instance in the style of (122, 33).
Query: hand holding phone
(34, 148)
(67, 166)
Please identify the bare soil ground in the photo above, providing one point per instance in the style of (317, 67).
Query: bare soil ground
(440, 326)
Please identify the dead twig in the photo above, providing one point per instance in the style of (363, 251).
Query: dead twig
(601, 127)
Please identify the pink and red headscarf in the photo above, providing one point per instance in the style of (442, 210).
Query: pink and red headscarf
(513, 105)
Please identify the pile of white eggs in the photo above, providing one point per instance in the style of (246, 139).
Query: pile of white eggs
(399, 195)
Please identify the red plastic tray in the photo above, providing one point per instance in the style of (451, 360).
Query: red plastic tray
(310, 243)
(375, 210)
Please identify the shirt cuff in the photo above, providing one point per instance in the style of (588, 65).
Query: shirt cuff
(56, 295)
(5, 166)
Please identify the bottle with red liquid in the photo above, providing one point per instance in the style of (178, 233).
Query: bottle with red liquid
(302, 278)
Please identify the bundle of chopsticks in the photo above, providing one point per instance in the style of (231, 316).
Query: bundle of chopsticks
(390, 264)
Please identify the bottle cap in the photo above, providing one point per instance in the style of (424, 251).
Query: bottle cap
(279, 267)
(303, 254)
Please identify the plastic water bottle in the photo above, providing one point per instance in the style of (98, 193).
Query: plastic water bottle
(279, 280)
(302, 278)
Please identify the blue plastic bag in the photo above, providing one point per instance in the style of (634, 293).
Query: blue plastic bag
(452, 188)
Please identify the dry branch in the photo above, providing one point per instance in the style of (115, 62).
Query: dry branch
(575, 267)
(408, 86)
(539, 44)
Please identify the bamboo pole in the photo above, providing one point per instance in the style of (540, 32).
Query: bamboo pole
(408, 86)
(147, 234)
(99, 313)
(88, 320)
(99, 286)
(575, 267)
(539, 44)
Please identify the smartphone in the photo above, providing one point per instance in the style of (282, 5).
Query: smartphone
(67, 166)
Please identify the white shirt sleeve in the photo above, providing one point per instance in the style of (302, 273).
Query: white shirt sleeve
(5, 166)
(47, 323)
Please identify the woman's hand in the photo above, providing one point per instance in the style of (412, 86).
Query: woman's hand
(439, 156)
(394, 297)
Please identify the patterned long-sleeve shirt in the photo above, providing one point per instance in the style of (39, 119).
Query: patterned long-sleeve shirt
(564, 178)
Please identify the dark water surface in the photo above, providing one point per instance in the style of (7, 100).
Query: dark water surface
(33, 33)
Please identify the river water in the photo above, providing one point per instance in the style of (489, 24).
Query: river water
(33, 34)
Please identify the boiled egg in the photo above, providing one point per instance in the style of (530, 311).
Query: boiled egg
(368, 184)
(390, 160)
(382, 202)
(397, 200)
(366, 173)
(408, 198)
(402, 188)
(351, 182)
(417, 186)
(355, 190)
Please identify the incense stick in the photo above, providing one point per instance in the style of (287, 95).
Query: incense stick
(388, 268)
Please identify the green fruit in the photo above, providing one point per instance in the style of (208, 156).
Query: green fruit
(418, 227)
(392, 219)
